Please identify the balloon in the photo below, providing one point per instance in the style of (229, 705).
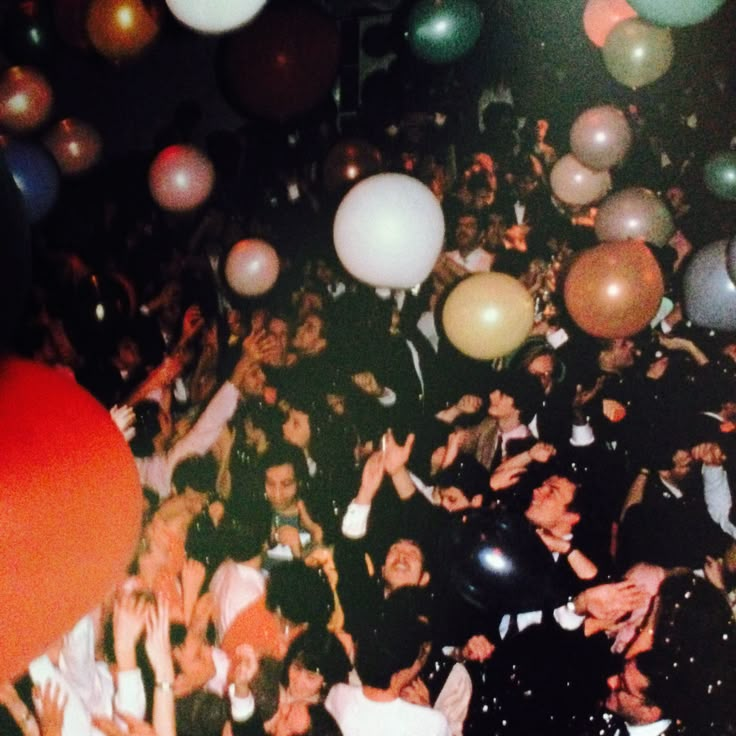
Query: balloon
(181, 178)
(75, 145)
(348, 162)
(388, 231)
(494, 560)
(36, 175)
(442, 32)
(709, 292)
(576, 184)
(720, 174)
(601, 16)
(731, 259)
(70, 508)
(614, 289)
(488, 315)
(634, 213)
(28, 33)
(215, 16)
(676, 12)
(15, 252)
(282, 64)
(252, 267)
(121, 29)
(637, 53)
(25, 99)
(601, 137)
(70, 20)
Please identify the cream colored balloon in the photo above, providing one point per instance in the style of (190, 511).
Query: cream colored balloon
(488, 315)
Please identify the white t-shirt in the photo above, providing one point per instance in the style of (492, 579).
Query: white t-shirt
(358, 716)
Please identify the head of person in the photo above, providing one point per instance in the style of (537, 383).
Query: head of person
(315, 661)
(540, 130)
(468, 231)
(528, 174)
(284, 471)
(616, 354)
(539, 359)
(296, 427)
(405, 565)
(552, 507)
(310, 337)
(515, 395)
(258, 425)
(463, 484)
(391, 654)
(277, 327)
(685, 669)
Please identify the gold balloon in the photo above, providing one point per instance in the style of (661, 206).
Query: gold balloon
(121, 29)
(75, 145)
(488, 315)
(614, 289)
(25, 99)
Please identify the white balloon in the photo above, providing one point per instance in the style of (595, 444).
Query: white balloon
(389, 230)
(215, 16)
(252, 267)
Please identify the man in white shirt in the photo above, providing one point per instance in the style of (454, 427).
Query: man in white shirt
(469, 252)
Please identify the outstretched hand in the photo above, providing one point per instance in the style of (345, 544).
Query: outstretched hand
(396, 455)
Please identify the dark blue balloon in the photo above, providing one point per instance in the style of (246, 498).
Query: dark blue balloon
(36, 176)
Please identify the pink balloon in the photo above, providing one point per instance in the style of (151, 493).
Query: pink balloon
(576, 184)
(600, 16)
(252, 267)
(181, 178)
(601, 137)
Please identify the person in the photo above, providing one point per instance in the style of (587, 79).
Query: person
(468, 253)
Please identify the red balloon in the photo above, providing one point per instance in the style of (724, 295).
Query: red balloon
(75, 145)
(122, 29)
(348, 162)
(181, 178)
(614, 289)
(283, 63)
(70, 508)
(25, 99)
(600, 16)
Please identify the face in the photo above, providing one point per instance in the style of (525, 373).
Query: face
(624, 352)
(682, 465)
(453, 499)
(281, 486)
(279, 330)
(550, 501)
(543, 368)
(253, 380)
(541, 129)
(502, 405)
(296, 429)
(255, 437)
(336, 402)
(308, 338)
(304, 684)
(627, 696)
(404, 566)
(466, 233)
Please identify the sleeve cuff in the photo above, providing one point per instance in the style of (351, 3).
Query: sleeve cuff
(355, 521)
(582, 435)
(388, 398)
(567, 618)
(241, 709)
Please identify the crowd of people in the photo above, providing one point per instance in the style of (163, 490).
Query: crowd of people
(351, 527)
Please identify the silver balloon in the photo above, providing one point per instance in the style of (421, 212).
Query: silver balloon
(731, 258)
(636, 213)
(601, 137)
(710, 294)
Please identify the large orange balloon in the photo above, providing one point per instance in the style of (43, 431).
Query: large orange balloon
(75, 145)
(70, 508)
(487, 315)
(600, 16)
(614, 289)
(121, 29)
(25, 99)
(181, 178)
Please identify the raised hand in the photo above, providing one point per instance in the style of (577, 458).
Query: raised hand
(371, 479)
(128, 621)
(611, 601)
(124, 418)
(158, 643)
(396, 456)
(478, 649)
(245, 667)
(50, 705)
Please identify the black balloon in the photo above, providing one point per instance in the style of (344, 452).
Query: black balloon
(496, 562)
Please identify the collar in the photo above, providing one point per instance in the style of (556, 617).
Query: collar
(649, 729)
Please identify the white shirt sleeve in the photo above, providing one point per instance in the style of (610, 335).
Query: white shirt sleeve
(355, 521)
(454, 698)
(241, 709)
(718, 497)
(130, 696)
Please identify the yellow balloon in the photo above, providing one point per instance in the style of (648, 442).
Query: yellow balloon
(488, 315)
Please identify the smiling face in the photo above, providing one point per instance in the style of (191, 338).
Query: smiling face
(404, 566)
(548, 508)
(281, 486)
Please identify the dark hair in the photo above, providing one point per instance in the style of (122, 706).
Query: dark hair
(201, 714)
(318, 650)
(322, 723)
(466, 474)
(198, 473)
(282, 453)
(300, 594)
(524, 388)
(533, 348)
(262, 416)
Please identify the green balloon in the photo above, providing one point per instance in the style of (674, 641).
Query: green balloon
(441, 31)
(720, 174)
(676, 12)
(637, 53)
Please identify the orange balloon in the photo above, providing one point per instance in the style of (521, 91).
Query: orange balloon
(181, 178)
(348, 162)
(25, 99)
(600, 16)
(121, 29)
(75, 145)
(614, 289)
(70, 508)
